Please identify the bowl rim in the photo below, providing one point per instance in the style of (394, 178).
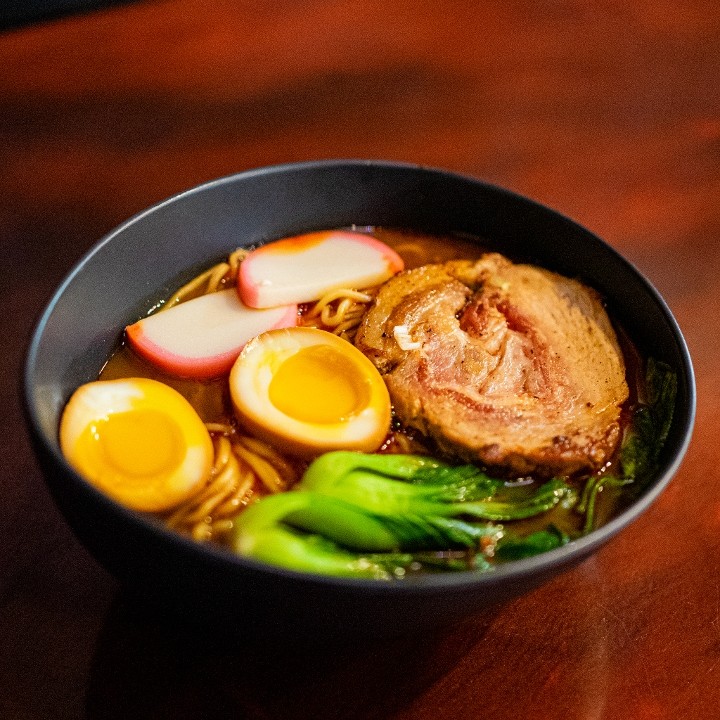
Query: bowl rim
(422, 584)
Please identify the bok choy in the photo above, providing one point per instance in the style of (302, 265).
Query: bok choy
(643, 441)
(361, 515)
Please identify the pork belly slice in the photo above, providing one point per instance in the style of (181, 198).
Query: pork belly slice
(501, 364)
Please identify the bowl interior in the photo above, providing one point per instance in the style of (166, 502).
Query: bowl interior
(146, 258)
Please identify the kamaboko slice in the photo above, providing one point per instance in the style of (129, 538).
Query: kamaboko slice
(201, 338)
(303, 268)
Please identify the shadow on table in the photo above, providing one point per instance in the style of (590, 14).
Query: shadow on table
(148, 666)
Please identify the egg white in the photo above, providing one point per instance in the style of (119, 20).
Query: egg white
(93, 403)
(251, 377)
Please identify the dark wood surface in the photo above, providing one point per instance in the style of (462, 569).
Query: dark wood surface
(608, 111)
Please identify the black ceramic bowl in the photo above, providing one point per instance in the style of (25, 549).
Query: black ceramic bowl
(153, 253)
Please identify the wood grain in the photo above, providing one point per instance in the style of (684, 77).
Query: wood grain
(608, 111)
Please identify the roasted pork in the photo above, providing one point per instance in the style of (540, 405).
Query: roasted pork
(503, 364)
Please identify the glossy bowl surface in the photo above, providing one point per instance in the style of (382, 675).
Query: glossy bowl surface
(151, 254)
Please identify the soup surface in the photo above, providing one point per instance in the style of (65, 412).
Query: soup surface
(247, 467)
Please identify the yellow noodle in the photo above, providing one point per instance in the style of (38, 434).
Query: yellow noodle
(268, 475)
(220, 527)
(202, 503)
(216, 277)
(213, 279)
(220, 428)
(340, 293)
(345, 316)
(210, 510)
(231, 506)
(332, 317)
(201, 532)
(223, 448)
(346, 328)
(214, 494)
(284, 468)
(356, 311)
(238, 468)
(235, 258)
(339, 311)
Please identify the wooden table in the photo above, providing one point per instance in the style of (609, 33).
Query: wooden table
(607, 111)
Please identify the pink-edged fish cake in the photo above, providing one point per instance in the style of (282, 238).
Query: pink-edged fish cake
(202, 338)
(303, 268)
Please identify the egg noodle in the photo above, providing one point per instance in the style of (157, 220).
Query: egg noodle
(339, 311)
(216, 278)
(245, 468)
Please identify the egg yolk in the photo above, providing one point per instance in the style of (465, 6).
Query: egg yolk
(307, 391)
(138, 440)
(139, 443)
(319, 385)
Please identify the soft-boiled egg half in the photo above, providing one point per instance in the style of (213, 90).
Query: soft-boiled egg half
(308, 391)
(138, 440)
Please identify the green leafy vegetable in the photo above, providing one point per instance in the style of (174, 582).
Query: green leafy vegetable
(262, 533)
(360, 515)
(643, 442)
(303, 530)
(651, 423)
(512, 547)
(431, 488)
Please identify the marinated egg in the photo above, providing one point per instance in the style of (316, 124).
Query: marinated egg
(309, 391)
(138, 440)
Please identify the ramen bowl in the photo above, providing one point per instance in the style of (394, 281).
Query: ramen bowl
(149, 256)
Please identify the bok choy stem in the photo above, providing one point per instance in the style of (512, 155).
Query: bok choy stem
(431, 489)
(362, 515)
